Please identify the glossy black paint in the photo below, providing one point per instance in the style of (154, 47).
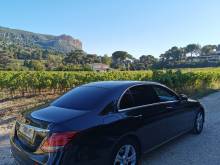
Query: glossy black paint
(102, 127)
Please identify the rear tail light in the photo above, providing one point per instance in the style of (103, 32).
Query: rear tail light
(57, 141)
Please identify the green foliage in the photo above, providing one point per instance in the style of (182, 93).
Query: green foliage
(33, 82)
(188, 82)
(147, 61)
(193, 49)
(106, 59)
(173, 55)
(4, 59)
(207, 49)
(37, 65)
(121, 56)
(75, 57)
(54, 62)
(121, 60)
(16, 65)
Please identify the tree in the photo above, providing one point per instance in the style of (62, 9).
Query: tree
(147, 61)
(53, 61)
(45, 54)
(37, 65)
(166, 57)
(91, 58)
(119, 56)
(193, 49)
(16, 65)
(176, 53)
(75, 57)
(5, 59)
(121, 59)
(36, 54)
(173, 55)
(183, 56)
(24, 55)
(218, 48)
(163, 57)
(106, 59)
(208, 49)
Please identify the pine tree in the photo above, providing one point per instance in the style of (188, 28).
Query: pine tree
(5, 59)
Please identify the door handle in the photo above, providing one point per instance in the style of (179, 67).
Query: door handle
(138, 116)
(169, 107)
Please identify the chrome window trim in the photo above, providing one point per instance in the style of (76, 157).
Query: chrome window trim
(172, 91)
(147, 105)
(119, 100)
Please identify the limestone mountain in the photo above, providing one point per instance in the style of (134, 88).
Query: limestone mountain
(63, 43)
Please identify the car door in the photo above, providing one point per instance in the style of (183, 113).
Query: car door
(144, 107)
(178, 113)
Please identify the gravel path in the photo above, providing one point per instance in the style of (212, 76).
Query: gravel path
(203, 149)
(187, 149)
(5, 126)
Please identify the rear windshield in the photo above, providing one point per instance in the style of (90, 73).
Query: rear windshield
(82, 98)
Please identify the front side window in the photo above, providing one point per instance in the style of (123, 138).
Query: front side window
(165, 94)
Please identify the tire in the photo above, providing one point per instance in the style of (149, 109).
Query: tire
(198, 123)
(127, 147)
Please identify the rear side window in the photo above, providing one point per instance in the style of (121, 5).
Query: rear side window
(137, 96)
(82, 98)
(143, 95)
(165, 94)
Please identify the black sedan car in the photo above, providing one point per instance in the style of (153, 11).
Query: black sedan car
(111, 123)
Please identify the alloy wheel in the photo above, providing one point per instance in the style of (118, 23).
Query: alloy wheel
(199, 121)
(126, 155)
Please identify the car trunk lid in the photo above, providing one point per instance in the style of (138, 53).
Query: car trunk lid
(54, 114)
(32, 128)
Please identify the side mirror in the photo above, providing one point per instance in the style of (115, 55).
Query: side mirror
(183, 97)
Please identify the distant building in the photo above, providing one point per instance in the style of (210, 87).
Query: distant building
(212, 58)
(99, 67)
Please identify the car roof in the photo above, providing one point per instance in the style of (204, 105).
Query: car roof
(119, 84)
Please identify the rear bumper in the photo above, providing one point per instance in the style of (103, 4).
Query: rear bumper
(25, 158)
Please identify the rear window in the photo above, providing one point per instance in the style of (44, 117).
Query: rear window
(82, 98)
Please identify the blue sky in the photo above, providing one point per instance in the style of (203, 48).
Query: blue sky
(104, 26)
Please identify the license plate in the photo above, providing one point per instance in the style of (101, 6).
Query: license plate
(26, 131)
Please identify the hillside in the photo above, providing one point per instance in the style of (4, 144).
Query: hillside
(63, 43)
